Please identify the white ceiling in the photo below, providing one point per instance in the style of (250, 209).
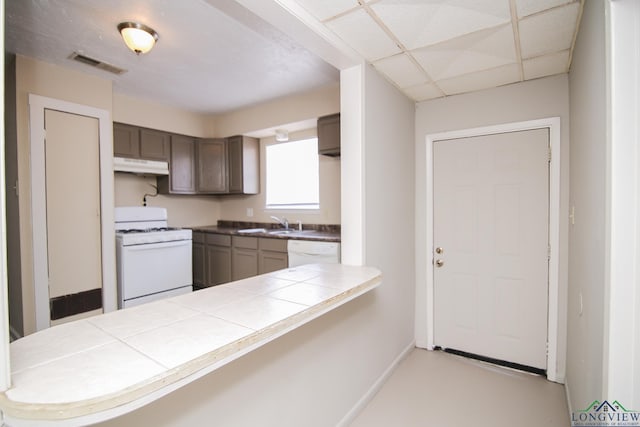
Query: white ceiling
(212, 56)
(434, 48)
(215, 56)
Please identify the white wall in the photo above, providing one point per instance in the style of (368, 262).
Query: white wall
(587, 246)
(389, 204)
(536, 99)
(622, 283)
(352, 151)
(316, 374)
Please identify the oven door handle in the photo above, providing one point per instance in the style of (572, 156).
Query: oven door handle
(158, 245)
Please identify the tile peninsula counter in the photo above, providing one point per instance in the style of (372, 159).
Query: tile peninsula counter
(95, 369)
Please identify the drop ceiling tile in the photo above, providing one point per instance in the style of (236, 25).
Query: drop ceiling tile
(548, 32)
(546, 65)
(473, 52)
(423, 92)
(529, 7)
(418, 23)
(401, 70)
(326, 9)
(481, 80)
(362, 33)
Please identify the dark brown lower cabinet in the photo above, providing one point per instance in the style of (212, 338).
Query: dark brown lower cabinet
(219, 258)
(219, 265)
(244, 257)
(211, 259)
(198, 259)
(272, 255)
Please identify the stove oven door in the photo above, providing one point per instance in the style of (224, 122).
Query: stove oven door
(151, 271)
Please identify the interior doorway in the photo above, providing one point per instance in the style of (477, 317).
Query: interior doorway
(74, 253)
(56, 174)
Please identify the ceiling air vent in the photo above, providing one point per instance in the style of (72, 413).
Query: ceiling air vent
(96, 63)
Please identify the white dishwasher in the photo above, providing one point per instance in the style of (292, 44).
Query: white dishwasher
(312, 252)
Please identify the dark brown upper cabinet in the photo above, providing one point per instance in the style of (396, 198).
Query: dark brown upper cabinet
(243, 165)
(211, 159)
(140, 143)
(182, 173)
(329, 135)
(154, 144)
(196, 166)
(126, 141)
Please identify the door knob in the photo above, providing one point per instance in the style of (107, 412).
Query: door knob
(439, 250)
(439, 263)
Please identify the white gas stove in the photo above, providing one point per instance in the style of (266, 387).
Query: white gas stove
(153, 260)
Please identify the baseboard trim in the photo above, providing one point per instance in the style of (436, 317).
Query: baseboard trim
(377, 385)
(568, 396)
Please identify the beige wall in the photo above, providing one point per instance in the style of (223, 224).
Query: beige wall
(280, 112)
(535, 99)
(182, 210)
(152, 115)
(55, 82)
(235, 207)
(588, 194)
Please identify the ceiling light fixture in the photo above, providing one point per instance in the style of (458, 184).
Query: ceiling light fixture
(138, 37)
(282, 135)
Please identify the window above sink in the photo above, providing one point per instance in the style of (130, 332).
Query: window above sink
(292, 175)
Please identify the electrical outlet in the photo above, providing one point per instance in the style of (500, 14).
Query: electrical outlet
(249, 212)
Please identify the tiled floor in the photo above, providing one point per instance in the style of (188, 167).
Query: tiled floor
(433, 388)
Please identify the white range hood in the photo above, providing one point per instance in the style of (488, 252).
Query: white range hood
(140, 166)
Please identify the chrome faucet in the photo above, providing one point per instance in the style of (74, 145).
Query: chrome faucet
(283, 222)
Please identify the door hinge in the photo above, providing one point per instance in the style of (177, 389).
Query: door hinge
(548, 252)
(549, 154)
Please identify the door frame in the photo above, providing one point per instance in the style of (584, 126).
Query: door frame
(425, 308)
(37, 106)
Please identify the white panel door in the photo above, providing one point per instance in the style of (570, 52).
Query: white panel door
(72, 203)
(491, 216)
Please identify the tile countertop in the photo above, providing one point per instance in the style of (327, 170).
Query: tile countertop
(95, 369)
(324, 236)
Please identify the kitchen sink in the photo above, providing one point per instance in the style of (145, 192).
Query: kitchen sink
(277, 231)
(283, 231)
(252, 230)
